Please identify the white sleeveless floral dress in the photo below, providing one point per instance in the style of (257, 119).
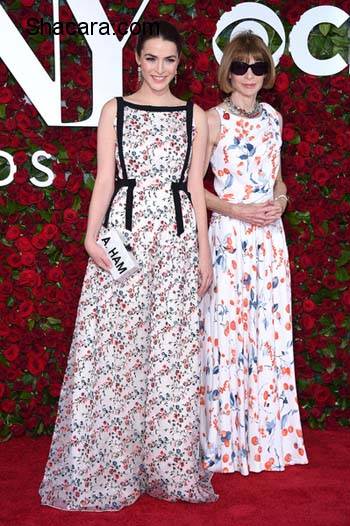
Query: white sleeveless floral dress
(128, 413)
(249, 410)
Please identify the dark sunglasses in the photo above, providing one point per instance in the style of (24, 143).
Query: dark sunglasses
(240, 68)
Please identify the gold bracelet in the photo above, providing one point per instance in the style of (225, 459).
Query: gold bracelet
(283, 197)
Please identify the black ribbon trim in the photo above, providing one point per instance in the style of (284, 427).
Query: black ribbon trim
(176, 187)
(119, 183)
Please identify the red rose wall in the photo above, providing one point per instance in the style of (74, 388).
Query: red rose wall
(42, 229)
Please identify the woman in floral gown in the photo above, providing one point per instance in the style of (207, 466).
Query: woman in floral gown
(128, 415)
(249, 409)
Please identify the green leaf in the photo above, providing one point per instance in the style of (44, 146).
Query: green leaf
(25, 395)
(76, 203)
(3, 360)
(324, 28)
(326, 320)
(2, 111)
(31, 324)
(342, 274)
(89, 182)
(295, 140)
(28, 378)
(62, 156)
(316, 366)
(166, 9)
(53, 321)
(342, 42)
(297, 217)
(40, 428)
(45, 214)
(344, 258)
(10, 301)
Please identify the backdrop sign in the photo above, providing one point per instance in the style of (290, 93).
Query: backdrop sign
(107, 49)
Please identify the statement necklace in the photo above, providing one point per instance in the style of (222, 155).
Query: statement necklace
(255, 112)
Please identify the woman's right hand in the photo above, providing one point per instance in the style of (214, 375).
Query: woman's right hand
(254, 213)
(98, 254)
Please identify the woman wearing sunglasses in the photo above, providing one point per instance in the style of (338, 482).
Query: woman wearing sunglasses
(249, 410)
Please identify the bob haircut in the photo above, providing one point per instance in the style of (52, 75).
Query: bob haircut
(244, 45)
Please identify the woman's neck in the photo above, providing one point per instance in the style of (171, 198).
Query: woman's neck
(146, 95)
(246, 103)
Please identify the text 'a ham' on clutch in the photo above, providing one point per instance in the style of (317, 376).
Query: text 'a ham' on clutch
(122, 259)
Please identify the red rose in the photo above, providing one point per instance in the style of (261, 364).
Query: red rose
(305, 261)
(2, 389)
(26, 308)
(23, 244)
(31, 422)
(70, 216)
(5, 95)
(206, 26)
(308, 305)
(11, 353)
(59, 181)
(83, 79)
(55, 389)
(308, 322)
(20, 157)
(288, 133)
(304, 149)
(85, 156)
(55, 274)
(320, 175)
(49, 231)
(312, 136)
(196, 86)
(346, 298)
(202, 62)
(339, 318)
(17, 430)
(36, 364)
(282, 82)
(314, 95)
(28, 259)
(322, 395)
(301, 105)
(39, 241)
(13, 232)
(286, 61)
(27, 3)
(29, 278)
(14, 260)
(8, 406)
(74, 183)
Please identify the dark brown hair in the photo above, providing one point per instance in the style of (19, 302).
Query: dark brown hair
(162, 29)
(244, 45)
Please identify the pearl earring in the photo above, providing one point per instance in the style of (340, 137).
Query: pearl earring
(139, 74)
(175, 78)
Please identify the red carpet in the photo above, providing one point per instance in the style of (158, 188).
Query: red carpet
(313, 495)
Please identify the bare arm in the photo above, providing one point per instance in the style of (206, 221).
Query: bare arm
(280, 187)
(213, 201)
(104, 183)
(196, 188)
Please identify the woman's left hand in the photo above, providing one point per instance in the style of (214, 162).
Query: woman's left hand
(274, 212)
(206, 272)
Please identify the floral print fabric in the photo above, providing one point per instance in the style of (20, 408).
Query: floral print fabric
(249, 410)
(128, 415)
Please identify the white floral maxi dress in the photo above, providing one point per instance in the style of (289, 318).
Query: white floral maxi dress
(249, 410)
(128, 414)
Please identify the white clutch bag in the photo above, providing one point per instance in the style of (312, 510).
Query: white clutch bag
(123, 261)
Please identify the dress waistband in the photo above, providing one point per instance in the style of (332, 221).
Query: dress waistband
(175, 188)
